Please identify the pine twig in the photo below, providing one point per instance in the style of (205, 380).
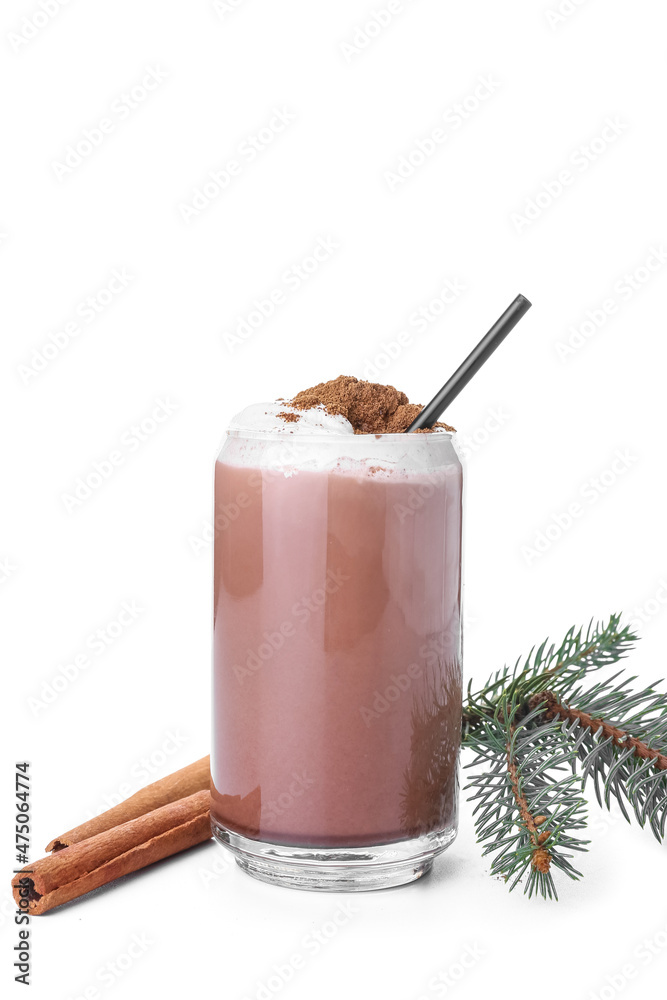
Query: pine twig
(540, 856)
(529, 724)
(557, 668)
(620, 737)
(526, 807)
(624, 745)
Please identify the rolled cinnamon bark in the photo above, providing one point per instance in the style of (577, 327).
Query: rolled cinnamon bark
(73, 871)
(190, 779)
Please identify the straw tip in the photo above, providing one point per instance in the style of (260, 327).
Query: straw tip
(526, 303)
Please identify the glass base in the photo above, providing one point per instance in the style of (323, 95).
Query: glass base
(336, 869)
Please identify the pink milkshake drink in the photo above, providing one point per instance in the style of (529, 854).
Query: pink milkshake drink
(337, 649)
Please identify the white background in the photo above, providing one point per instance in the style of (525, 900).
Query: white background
(67, 569)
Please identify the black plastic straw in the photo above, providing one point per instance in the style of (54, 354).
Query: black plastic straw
(472, 364)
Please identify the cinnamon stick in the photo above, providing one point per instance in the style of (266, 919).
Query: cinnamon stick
(190, 779)
(115, 851)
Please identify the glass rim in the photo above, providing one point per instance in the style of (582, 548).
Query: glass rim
(286, 437)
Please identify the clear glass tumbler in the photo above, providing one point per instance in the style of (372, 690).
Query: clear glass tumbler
(337, 655)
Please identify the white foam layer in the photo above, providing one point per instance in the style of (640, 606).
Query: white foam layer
(319, 442)
(263, 417)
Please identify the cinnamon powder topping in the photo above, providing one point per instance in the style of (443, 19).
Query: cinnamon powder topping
(370, 408)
